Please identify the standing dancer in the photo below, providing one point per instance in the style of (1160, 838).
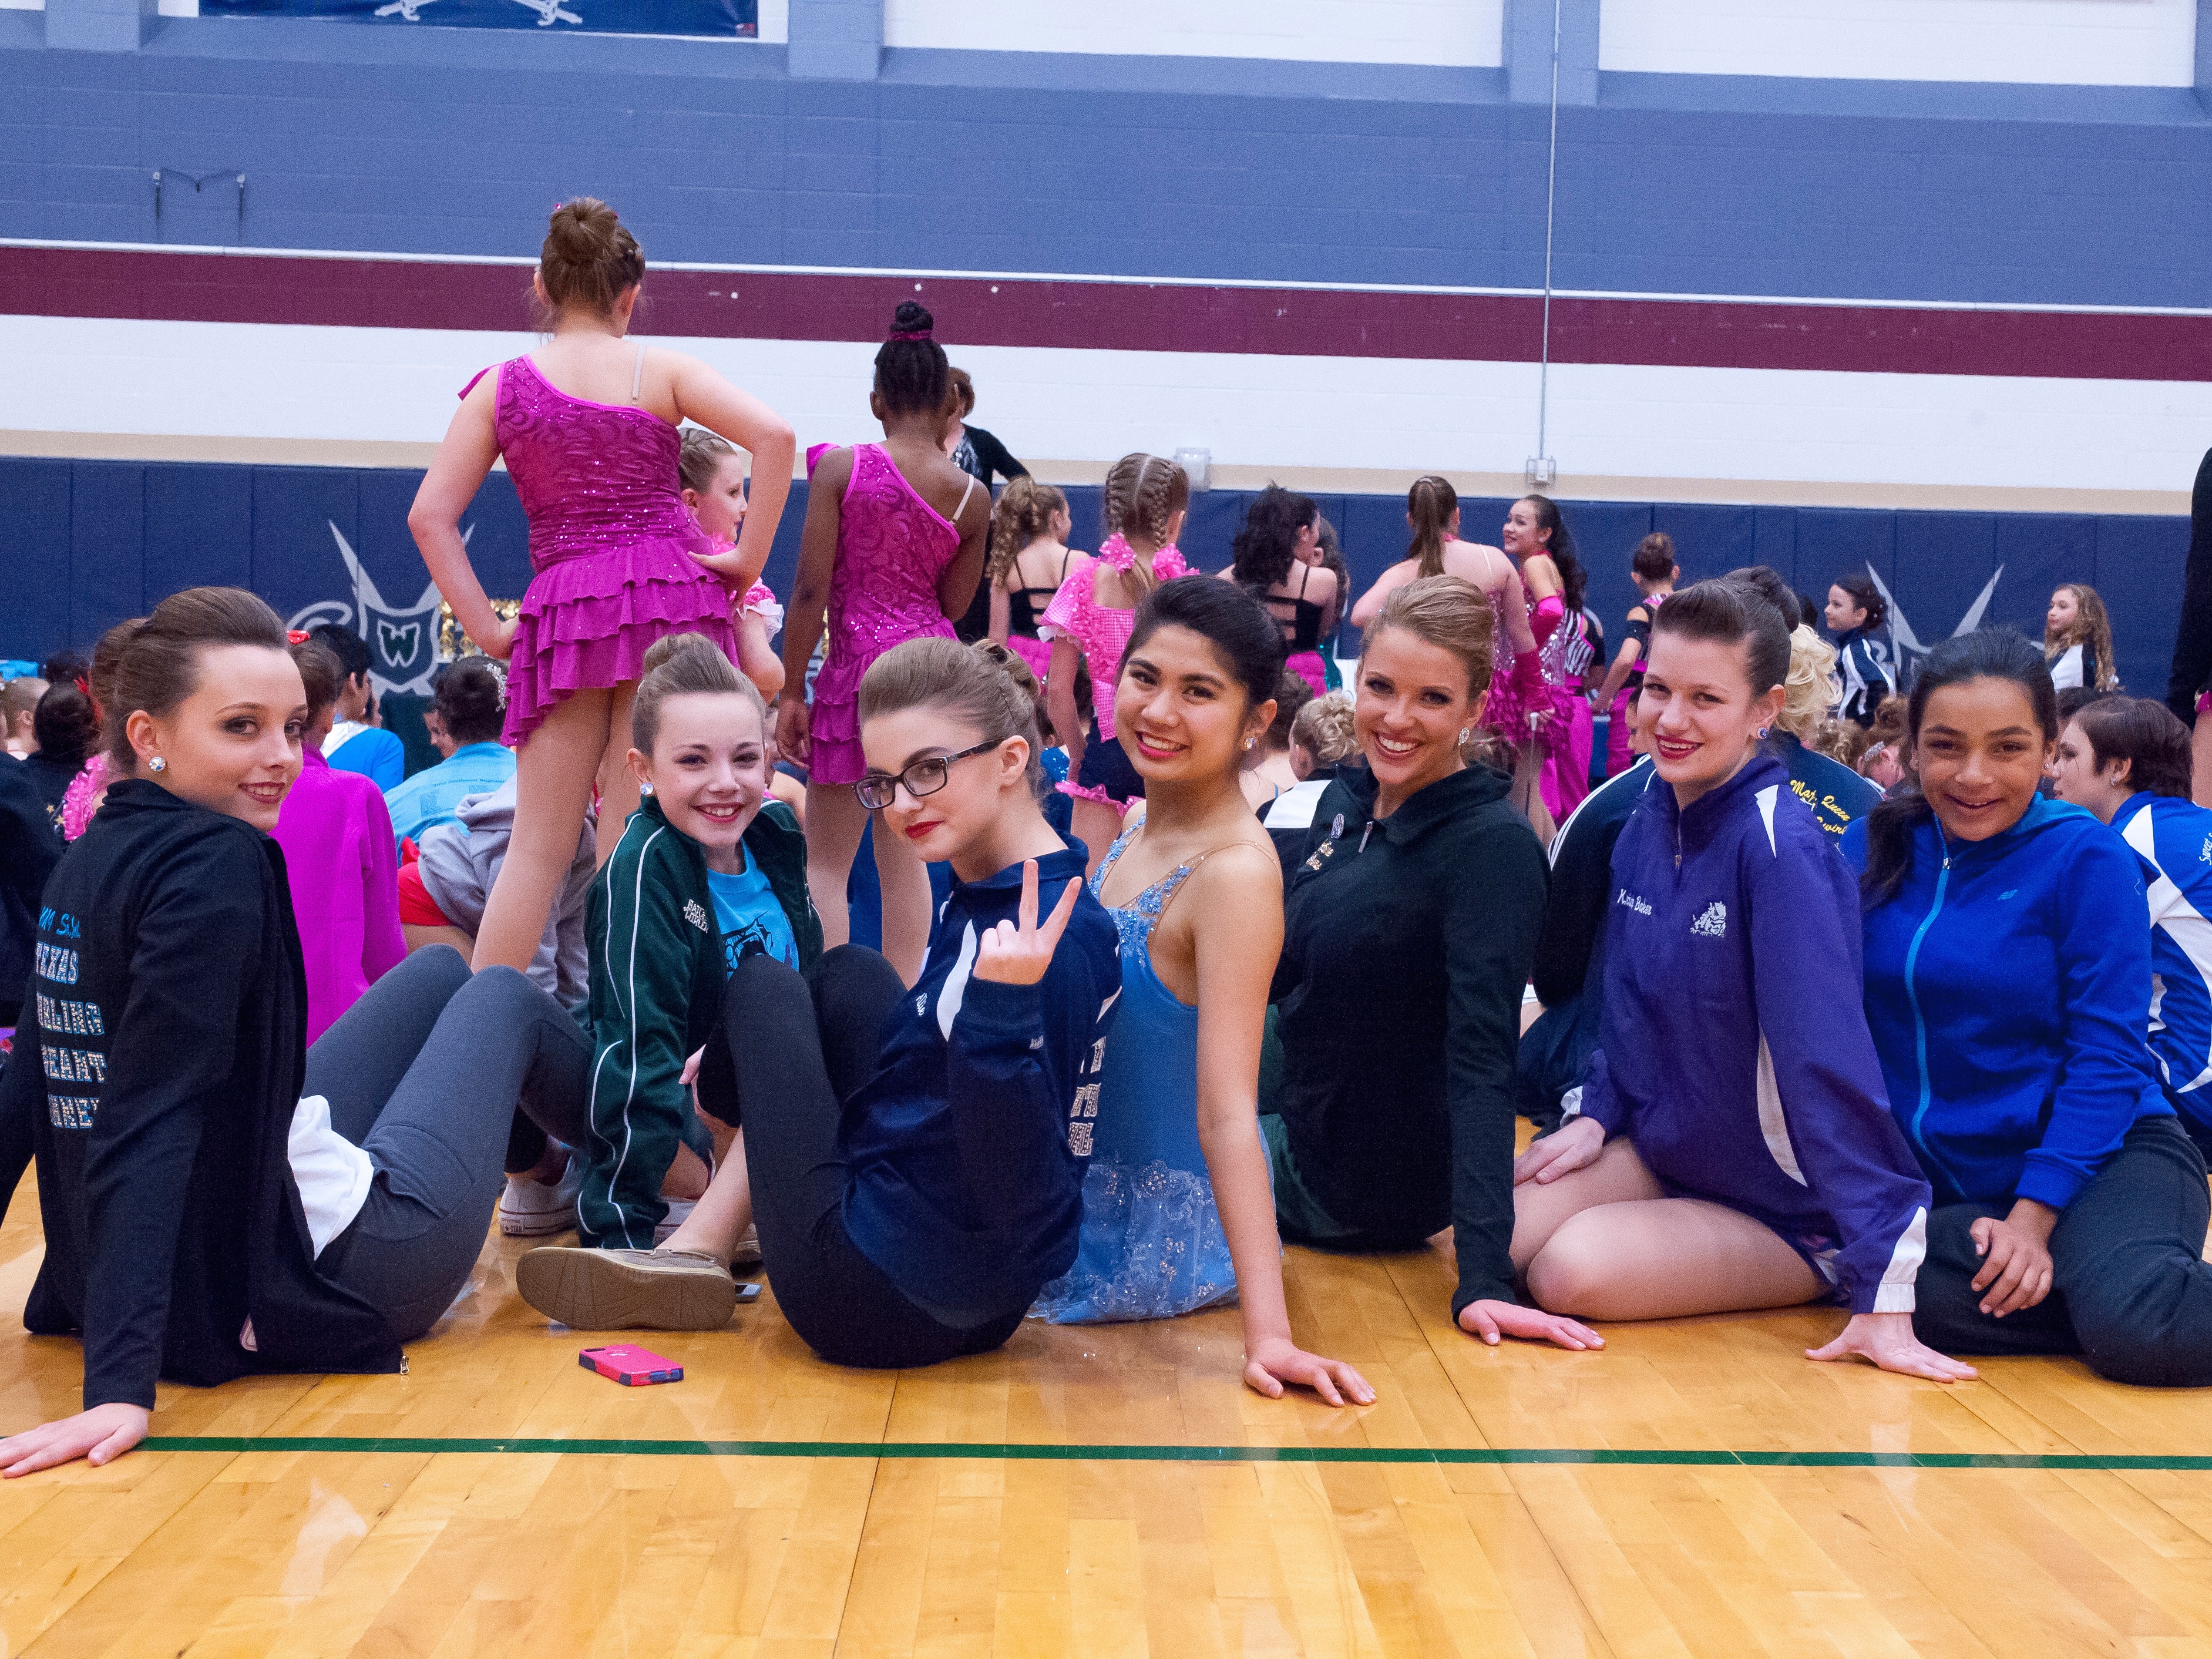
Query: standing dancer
(588, 427)
(1089, 621)
(894, 548)
(1029, 560)
(1522, 710)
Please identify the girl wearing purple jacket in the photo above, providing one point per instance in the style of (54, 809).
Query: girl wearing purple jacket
(1733, 1148)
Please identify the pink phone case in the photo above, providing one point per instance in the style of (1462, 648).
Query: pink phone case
(632, 1366)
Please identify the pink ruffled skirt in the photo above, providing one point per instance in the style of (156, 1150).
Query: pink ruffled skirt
(834, 732)
(588, 621)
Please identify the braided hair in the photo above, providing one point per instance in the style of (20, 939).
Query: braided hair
(1143, 495)
(912, 375)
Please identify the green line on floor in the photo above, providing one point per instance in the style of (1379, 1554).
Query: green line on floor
(1597, 1456)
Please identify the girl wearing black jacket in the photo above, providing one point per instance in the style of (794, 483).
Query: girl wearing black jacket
(1409, 930)
(216, 1200)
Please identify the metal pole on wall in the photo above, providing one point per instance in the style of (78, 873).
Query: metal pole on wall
(1541, 469)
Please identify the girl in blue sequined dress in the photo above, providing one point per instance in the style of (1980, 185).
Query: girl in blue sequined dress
(1178, 1211)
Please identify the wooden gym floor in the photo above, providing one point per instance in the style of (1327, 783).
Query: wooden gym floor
(1698, 1488)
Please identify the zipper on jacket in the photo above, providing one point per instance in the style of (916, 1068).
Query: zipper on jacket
(1920, 1020)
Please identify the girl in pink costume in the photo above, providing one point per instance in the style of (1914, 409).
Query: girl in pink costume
(1089, 620)
(713, 475)
(587, 424)
(1537, 718)
(1432, 515)
(894, 548)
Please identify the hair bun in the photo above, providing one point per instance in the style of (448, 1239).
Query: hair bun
(912, 320)
(669, 646)
(589, 258)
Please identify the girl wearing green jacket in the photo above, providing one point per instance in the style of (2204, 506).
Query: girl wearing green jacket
(709, 871)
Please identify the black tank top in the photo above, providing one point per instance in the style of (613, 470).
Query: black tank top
(1302, 627)
(1026, 604)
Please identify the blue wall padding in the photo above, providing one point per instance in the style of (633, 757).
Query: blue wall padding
(87, 544)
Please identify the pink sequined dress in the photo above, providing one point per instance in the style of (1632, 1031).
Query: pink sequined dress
(1101, 630)
(891, 548)
(615, 549)
(1513, 697)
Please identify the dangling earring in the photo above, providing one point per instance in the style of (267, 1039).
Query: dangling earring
(157, 764)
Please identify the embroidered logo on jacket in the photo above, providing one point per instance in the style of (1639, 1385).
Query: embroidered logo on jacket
(693, 914)
(1713, 924)
(1631, 902)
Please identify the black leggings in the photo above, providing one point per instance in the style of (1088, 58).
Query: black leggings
(2130, 1291)
(797, 1048)
(424, 1074)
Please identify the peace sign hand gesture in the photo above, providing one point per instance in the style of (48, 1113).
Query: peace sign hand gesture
(1018, 954)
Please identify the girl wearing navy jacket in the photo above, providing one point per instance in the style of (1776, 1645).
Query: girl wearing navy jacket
(904, 1151)
(2009, 981)
(1733, 1148)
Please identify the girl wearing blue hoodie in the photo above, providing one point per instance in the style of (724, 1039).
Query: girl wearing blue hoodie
(2008, 985)
(1733, 1148)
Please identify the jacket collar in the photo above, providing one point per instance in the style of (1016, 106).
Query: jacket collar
(990, 891)
(310, 758)
(1696, 823)
(2043, 813)
(129, 798)
(1446, 799)
(2133, 804)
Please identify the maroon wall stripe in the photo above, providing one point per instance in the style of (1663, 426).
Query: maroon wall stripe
(372, 293)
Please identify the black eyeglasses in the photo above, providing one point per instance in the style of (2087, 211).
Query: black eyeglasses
(925, 777)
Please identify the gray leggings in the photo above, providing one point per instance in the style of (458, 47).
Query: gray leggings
(424, 1074)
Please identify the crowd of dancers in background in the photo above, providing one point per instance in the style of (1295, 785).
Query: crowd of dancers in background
(1892, 1004)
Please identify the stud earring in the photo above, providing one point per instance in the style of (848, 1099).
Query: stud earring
(157, 764)
(1248, 742)
(646, 788)
(1762, 730)
(1463, 735)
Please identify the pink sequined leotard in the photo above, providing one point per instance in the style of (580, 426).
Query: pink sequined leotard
(613, 546)
(891, 548)
(1102, 631)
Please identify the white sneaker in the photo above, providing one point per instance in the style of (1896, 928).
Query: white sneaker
(531, 1209)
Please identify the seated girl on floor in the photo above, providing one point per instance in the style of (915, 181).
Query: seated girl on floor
(1733, 1148)
(1177, 1212)
(2127, 759)
(709, 871)
(2008, 982)
(218, 1199)
(1410, 922)
(905, 1151)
